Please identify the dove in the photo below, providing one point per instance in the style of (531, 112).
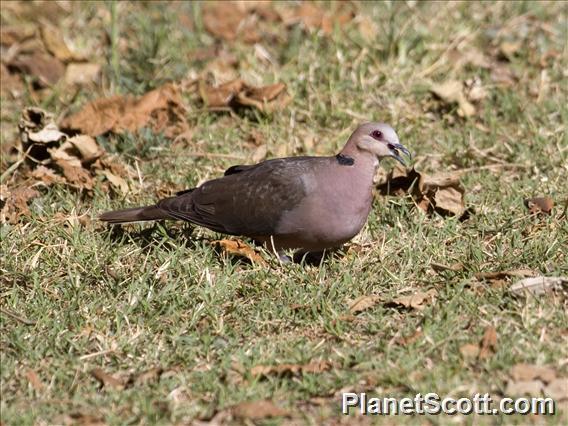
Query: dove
(307, 203)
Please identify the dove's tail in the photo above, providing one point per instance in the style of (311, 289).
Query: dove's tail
(133, 215)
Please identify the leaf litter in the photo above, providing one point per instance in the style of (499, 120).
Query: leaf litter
(441, 193)
(534, 380)
(313, 367)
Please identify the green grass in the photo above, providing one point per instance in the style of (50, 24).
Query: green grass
(162, 296)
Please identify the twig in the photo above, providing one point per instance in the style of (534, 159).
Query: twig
(17, 317)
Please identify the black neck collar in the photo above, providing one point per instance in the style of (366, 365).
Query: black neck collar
(344, 160)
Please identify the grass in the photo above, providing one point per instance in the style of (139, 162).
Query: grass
(162, 296)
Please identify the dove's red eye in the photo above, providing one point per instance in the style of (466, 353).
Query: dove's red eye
(377, 134)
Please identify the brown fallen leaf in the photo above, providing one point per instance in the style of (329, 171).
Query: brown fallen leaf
(256, 410)
(240, 249)
(34, 380)
(368, 28)
(119, 183)
(15, 203)
(439, 267)
(524, 372)
(557, 389)
(259, 154)
(441, 193)
(151, 375)
(485, 349)
(469, 351)
(539, 205)
(314, 17)
(46, 69)
(488, 344)
(82, 419)
(417, 301)
(46, 176)
(107, 380)
(503, 75)
(82, 74)
(220, 96)
(227, 21)
(408, 340)
(88, 148)
(267, 99)
(76, 175)
(522, 388)
(312, 367)
(452, 92)
(10, 83)
(508, 49)
(161, 109)
(55, 44)
(362, 303)
(522, 272)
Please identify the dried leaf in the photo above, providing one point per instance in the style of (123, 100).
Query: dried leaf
(539, 285)
(291, 369)
(161, 108)
(106, 380)
(451, 92)
(450, 199)
(469, 351)
(522, 272)
(522, 388)
(368, 28)
(417, 301)
(503, 75)
(408, 340)
(227, 21)
(240, 249)
(525, 372)
(76, 175)
(116, 181)
(441, 193)
(538, 205)
(146, 377)
(439, 267)
(82, 419)
(46, 176)
(82, 73)
(314, 17)
(10, 83)
(15, 203)
(222, 95)
(55, 44)
(362, 303)
(256, 410)
(557, 389)
(34, 380)
(49, 134)
(88, 148)
(488, 345)
(267, 99)
(45, 68)
(508, 49)
(259, 154)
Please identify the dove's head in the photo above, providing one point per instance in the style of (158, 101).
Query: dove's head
(377, 139)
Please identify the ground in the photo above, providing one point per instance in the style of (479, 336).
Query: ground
(157, 324)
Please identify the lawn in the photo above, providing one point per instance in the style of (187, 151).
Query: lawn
(159, 324)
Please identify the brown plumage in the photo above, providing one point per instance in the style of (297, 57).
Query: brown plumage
(310, 203)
